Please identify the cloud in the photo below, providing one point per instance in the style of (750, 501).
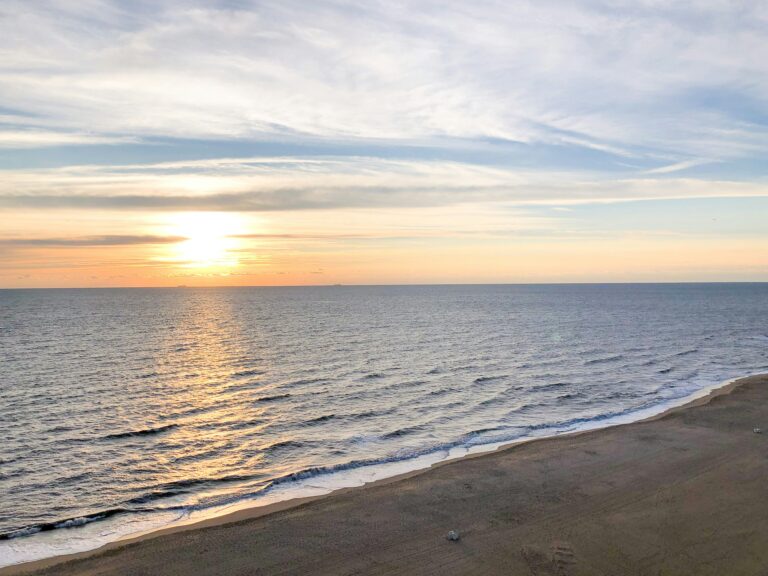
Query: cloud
(292, 199)
(292, 184)
(85, 241)
(621, 77)
(678, 166)
(44, 139)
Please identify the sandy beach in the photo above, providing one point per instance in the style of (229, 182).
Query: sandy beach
(685, 493)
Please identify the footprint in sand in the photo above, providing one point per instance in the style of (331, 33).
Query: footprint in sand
(560, 561)
(563, 558)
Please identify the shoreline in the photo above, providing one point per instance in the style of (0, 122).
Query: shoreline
(248, 510)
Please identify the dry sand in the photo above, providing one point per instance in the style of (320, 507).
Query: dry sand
(686, 493)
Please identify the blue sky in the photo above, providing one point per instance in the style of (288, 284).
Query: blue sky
(617, 117)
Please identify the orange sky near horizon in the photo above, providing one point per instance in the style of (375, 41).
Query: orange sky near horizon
(234, 249)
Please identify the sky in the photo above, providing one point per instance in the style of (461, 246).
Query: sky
(181, 142)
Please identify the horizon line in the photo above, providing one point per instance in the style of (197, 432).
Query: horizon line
(417, 284)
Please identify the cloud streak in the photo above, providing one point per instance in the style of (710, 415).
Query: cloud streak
(295, 184)
(16, 139)
(89, 241)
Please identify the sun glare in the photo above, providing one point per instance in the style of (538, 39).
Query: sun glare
(210, 239)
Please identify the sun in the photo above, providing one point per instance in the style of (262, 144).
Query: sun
(211, 240)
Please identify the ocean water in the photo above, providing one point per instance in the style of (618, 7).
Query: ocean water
(123, 410)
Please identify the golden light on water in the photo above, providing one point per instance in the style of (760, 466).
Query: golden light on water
(211, 240)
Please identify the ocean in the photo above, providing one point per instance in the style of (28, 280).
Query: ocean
(127, 410)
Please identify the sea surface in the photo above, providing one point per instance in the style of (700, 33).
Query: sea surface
(123, 410)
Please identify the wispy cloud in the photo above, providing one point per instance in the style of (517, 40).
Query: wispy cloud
(44, 139)
(679, 166)
(290, 184)
(622, 77)
(85, 241)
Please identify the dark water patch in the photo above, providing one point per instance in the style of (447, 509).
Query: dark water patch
(240, 386)
(493, 400)
(619, 395)
(486, 379)
(525, 408)
(155, 495)
(665, 370)
(404, 385)
(686, 352)
(466, 368)
(440, 391)
(373, 376)
(305, 381)
(58, 429)
(285, 444)
(553, 386)
(148, 375)
(570, 396)
(483, 431)
(272, 398)
(196, 410)
(369, 414)
(403, 432)
(603, 360)
(247, 373)
(243, 424)
(144, 432)
(194, 482)
(319, 419)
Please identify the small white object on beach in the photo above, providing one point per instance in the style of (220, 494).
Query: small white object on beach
(757, 430)
(453, 536)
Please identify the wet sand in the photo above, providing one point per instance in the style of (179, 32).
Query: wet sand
(685, 493)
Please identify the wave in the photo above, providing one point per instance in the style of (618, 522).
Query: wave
(483, 430)
(246, 373)
(272, 398)
(66, 523)
(401, 385)
(156, 495)
(369, 414)
(492, 400)
(470, 439)
(403, 431)
(603, 360)
(483, 379)
(284, 444)
(319, 419)
(570, 396)
(686, 352)
(144, 432)
(526, 408)
(191, 482)
(552, 386)
(305, 381)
